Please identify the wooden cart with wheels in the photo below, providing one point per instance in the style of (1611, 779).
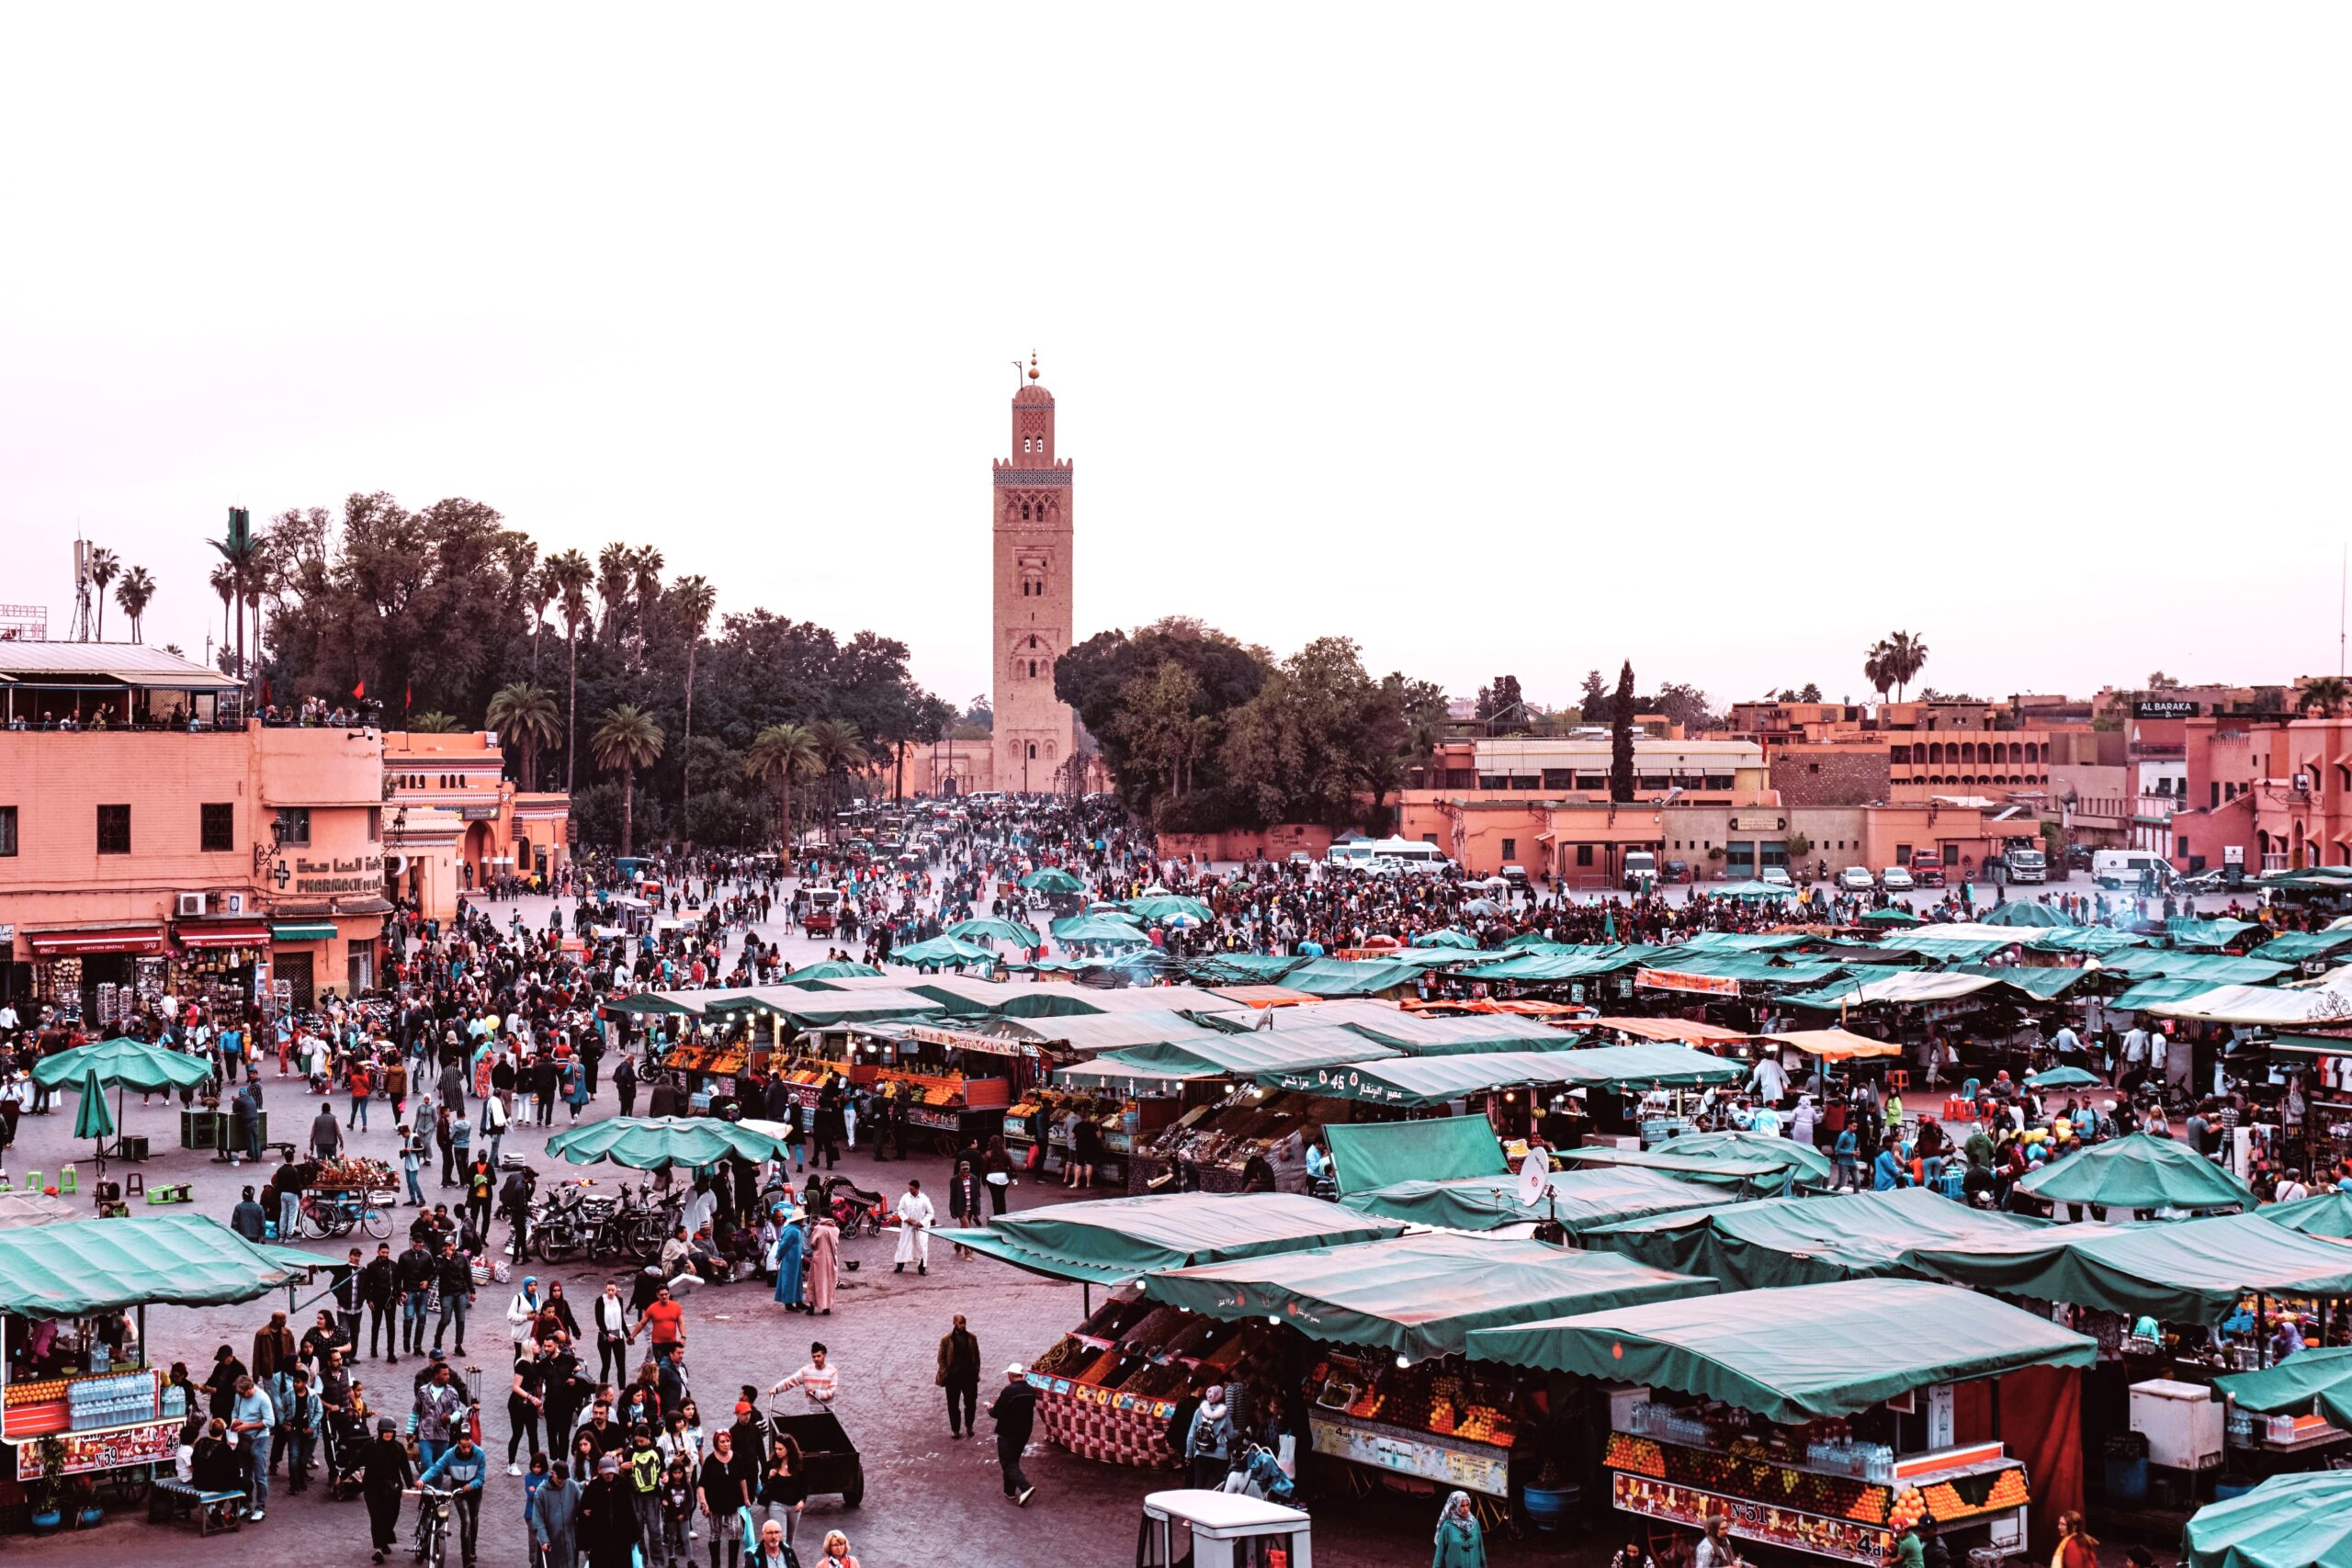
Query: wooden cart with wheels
(828, 1460)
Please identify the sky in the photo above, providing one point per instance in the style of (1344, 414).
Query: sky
(1727, 339)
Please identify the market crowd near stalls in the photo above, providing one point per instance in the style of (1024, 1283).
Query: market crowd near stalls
(1650, 1156)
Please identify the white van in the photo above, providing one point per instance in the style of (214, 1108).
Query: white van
(2122, 868)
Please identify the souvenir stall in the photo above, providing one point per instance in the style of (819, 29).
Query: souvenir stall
(219, 966)
(1377, 1329)
(1820, 1420)
(79, 1398)
(1107, 1388)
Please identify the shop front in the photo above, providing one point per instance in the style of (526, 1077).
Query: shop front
(220, 964)
(98, 974)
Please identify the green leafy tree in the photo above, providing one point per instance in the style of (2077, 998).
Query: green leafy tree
(2324, 696)
(1596, 707)
(104, 569)
(1896, 662)
(691, 602)
(628, 740)
(435, 722)
(1096, 677)
(571, 576)
(525, 714)
(1501, 707)
(1621, 738)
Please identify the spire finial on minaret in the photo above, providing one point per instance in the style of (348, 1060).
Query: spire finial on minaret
(1033, 365)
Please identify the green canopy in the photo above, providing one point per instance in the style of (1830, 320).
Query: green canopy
(2303, 947)
(2182, 930)
(1169, 906)
(1808, 1241)
(2326, 1213)
(1808, 1163)
(2020, 912)
(1578, 1200)
(2100, 939)
(1217, 1055)
(1741, 942)
(1416, 1296)
(653, 1002)
(1111, 1240)
(2213, 969)
(1241, 968)
(943, 950)
(808, 1008)
(2149, 993)
(1433, 1080)
(84, 1265)
(2138, 1171)
(2185, 1271)
(1334, 977)
(651, 1143)
(1891, 916)
(831, 969)
(1098, 928)
(1748, 968)
(1426, 1035)
(2063, 1078)
(1052, 879)
(1369, 1154)
(1757, 890)
(2042, 984)
(2297, 1385)
(2289, 1521)
(1798, 1355)
(1446, 938)
(992, 930)
(1556, 964)
(129, 1063)
(1749, 1175)
(93, 1120)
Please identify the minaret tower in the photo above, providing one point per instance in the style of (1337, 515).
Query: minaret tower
(1036, 733)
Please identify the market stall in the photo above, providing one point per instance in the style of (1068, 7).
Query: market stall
(2302, 1405)
(2135, 1176)
(1460, 1180)
(1107, 1389)
(1780, 1242)
(2289, 1521)
(78, 1398)
(1391, 1394)
(1821, 1419)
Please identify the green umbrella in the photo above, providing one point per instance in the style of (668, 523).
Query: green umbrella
(1096, 928)
(1052, 879)
(2018, 913)
(128, 1064)
(1166, 906)
(831, 969)
(2062, 1078)
(651, 1143)
(1447, 938)
(943, 950)
(1012, 931)
(1891, 916)
(95, 1120)
(2289, 1521)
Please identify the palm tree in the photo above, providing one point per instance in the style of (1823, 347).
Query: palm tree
(570, 574)
(104, 569)
(526, 714)
(134, 593)
(241, 550)
(839, 749)
(1878, 669)
(615, 570)
(539, 591)
(628, 740)
(784, 752)
(2325, 695)
(691, 601)
(1907, 655)
(435, 722)
(224, 583)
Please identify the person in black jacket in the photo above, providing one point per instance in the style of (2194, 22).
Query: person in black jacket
(608, 1517)
(385, 1473)
(455, 1274)
(1014, 1411)
(414, 1275)
(379, 1283)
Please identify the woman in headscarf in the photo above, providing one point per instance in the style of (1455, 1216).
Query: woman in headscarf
(790, 1243)
(824, 1264)
(1460, 1544)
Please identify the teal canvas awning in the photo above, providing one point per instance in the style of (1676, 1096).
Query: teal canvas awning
(2185, 1271)
(1214, 1055)
(2138, 1171)
(1112, 1240)
(1368, 1155)
(304, 930)
(1416, 1296)
(1433, 1080)
(1420, 1034)
(1343, 978)
(1579, 1200)
(2289, 1521)
(2326, 1213)
(2304, 947)
(1799, 1354)
(2183, 931)
(1782, 1242)
(76, 1266)
(2297, 1387)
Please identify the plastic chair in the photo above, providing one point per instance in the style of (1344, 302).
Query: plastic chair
(1899, 1079)
(133, 1184)
(1968, 1090)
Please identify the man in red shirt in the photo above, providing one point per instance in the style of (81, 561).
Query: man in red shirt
(666, 1321)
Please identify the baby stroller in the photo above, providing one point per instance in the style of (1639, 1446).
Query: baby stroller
(853, 1205)
(343, 1443)
(1260, 1475)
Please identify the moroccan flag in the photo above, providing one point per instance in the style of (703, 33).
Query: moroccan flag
(360, 690)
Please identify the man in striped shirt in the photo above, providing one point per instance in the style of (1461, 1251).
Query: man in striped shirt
(819, 1379)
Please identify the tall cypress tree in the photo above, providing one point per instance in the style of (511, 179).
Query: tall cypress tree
(1621, 738)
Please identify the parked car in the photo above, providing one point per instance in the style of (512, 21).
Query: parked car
(1895, 879)
(1678, 871)
(1926, 868)
(1515, 874)
(1855, 879)
(1778, 876)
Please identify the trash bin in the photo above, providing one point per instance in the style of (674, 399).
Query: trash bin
(2126, 1468)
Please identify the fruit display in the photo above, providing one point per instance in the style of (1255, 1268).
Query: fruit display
(1471, 1405)
(36, 1393)
(353, 1173)
(725, 1060)
(922, 1089)
(1750, 1469)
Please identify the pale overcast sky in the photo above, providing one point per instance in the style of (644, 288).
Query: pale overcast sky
(1526, 339)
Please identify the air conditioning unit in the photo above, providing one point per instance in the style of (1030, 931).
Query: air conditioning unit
(232, 903)
(188, 904)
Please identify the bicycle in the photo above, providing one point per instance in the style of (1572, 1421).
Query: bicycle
(334, 1213)
(432, 1524)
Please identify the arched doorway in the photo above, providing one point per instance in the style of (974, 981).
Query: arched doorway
(475, 854)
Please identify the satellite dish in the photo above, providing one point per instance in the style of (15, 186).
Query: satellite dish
(1533, 1171)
